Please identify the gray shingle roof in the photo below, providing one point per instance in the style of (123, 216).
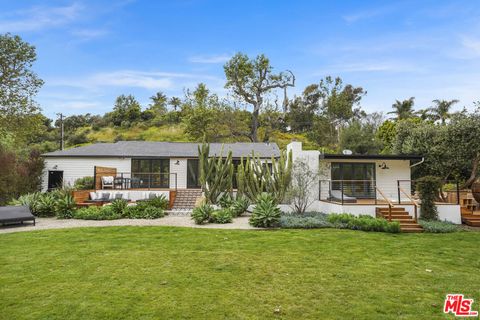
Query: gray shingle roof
(129, 149)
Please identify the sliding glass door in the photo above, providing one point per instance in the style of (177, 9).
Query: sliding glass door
(193, 174)
(150, 173)
(358, 179)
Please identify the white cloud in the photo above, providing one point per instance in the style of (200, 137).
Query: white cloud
(39, 17)
(367, 14)
(87, 34)
(150, 80)
(471, 46)
(214, 59)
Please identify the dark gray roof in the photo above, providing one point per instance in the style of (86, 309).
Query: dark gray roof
(371, 156)
(150, 149)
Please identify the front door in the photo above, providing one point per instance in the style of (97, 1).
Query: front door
(193, 174)
(55, 179)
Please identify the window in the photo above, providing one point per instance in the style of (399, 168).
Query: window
(358, 179)
(150, 173)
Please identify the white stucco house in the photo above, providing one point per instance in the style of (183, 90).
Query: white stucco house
(357, 184)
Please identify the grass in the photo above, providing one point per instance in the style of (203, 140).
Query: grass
(181, 273)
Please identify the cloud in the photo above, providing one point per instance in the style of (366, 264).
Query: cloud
(471, 46)
(150, 80)
(367, 14)
(38, 18)
(214, 59)
(88, 34)
(371, 66)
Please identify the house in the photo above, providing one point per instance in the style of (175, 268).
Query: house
(138, 166)
(357, 184)
(367, 184)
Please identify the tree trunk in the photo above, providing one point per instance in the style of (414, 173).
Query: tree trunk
(473, 175)
(254, 125)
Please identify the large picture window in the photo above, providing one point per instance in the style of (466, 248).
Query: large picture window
(150, 173)
(357, 179)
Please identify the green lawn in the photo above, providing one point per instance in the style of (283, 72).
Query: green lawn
(180, 273)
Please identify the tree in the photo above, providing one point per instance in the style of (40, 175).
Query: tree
(251, 80)
(159, 103)
(175, 102)
(208, 118)
(126, 111)
(441, 110)
(18, 86)
(360, 138)
(304, 180)
(334, 105)
(403, 109)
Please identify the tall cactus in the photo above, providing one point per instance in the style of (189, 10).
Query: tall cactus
(216, 173)
(255, 176)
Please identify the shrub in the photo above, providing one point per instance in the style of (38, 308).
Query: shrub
(239, 206)
(428, 188)
(65, 207)
(119, 205)
(85, 183)
(307, 220)
(363, 222)
(96, 213)
(143, 211)
(438, 226)
(221, 216)
(202, 214)
(45, 206)
(158, 202)
(225, 200)
(266, 213)
(29, 200)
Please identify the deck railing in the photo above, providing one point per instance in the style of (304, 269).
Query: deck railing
(372, 192)
(143, 180)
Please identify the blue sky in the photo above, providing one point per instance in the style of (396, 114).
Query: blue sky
(91, 51)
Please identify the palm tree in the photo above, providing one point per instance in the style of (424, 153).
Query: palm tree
(441, 110)
(175, 102)
(424, 114)
(403, 109)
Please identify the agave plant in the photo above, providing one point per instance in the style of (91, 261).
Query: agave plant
(266, 213)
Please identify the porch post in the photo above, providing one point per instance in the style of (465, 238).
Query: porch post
(458, 193)
(341, 189)
(398, 192)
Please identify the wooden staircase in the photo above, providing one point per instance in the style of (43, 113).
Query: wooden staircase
(185, 199)
(472, 220)
(407, 223)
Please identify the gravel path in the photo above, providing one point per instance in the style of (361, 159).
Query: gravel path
(172, 221)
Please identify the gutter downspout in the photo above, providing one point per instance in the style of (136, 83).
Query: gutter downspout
(416, 164)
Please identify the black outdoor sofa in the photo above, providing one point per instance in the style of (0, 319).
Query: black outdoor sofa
(15, 214)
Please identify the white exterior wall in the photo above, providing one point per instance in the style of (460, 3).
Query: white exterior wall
(181, 170)
(386, 178)
(311, 157)
(79, 167)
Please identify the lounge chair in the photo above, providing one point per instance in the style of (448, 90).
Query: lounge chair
(107, 182)
(15, 214)
(336, 195)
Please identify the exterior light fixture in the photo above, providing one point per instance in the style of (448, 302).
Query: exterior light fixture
(177, 163)
(383, 166)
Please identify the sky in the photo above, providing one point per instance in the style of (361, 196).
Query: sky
(89, 52)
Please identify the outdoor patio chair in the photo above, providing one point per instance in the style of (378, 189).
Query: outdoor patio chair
(107, 182)
(336, 195)
(15, 214)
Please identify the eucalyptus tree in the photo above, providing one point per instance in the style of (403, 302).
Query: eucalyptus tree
(19, 85)
(251, 80)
